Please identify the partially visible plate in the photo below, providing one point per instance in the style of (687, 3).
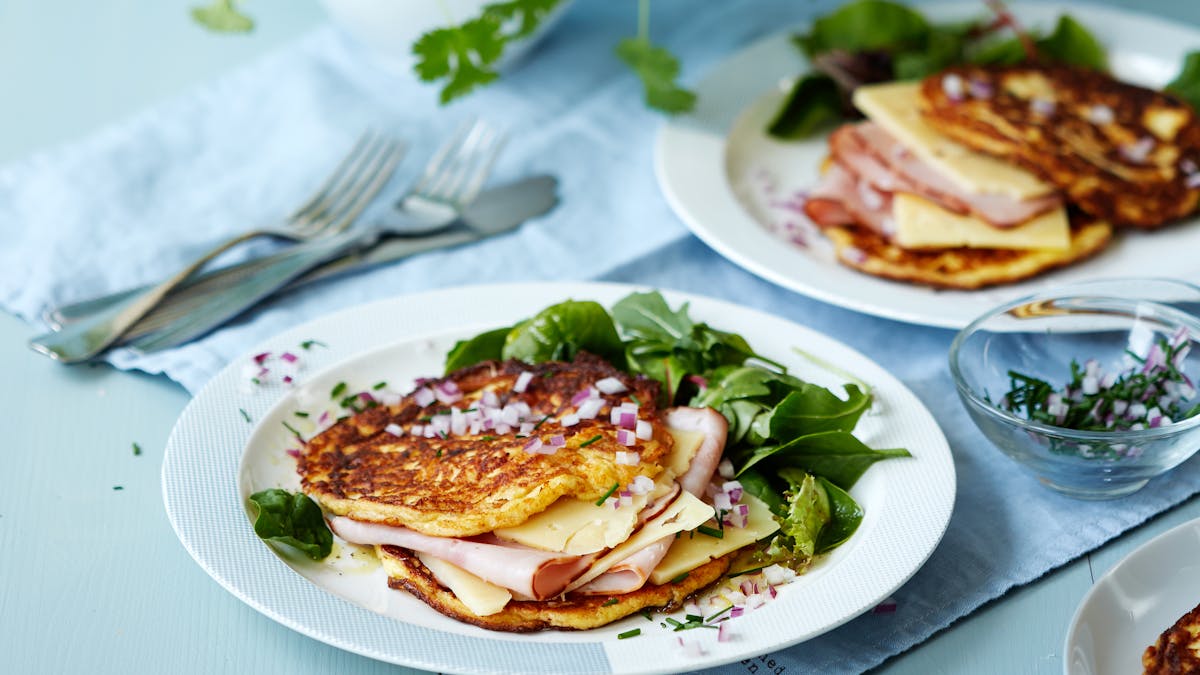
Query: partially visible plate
(1139, 598)
(731, 183)
(216, 457)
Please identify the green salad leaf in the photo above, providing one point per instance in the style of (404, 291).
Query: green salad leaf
(1186, 84)
(658, 70)
(806, 515)
(560, 331)
(836, 455)
(294, 520)
(866, 25)
(222, 16)
(483, 347)
(813, 102)
(1072, 44)
(845, 515)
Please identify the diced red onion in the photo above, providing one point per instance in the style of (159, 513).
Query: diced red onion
(641, 485)
(523, 381)
(323, 418)
(734, 489)
(1192, 181)
(366, 397)
(628, 420)
(778, 574)
(691, 648)
(590, 408)
(855, 254)
(289, 357)
(629, 406)
(698, 381)
(394, 429)
(980, 88)
(723, 632)
(526, 428)
(611, 385)
(625, 499)
(458, 422)
(417, 430)
(261, 358)
(533, 445)
(737, 611)
(626, 437)
(1139, 150)
(953, 87)
(490, 399)
(1136, 411)
(645, 430)
(627, 458)
(1100, 114)
(721, 502)
(558, 440)
(424, 396)
(510, 415)
(287, 379)
(569, 420)
(293, 453)
(725, 469)
(1189, 166)
(886, 607)
(502, 429)
(1090, 385)
(1042, 106)
(583, 395)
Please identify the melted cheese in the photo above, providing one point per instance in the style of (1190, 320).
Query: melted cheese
(577, 526)
(921, 223)
(895, 106)
(691, 551)
(685, 513)
(481, 597)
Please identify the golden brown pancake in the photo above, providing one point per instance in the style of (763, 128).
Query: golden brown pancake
(1121, 153)
(463, 485)
(572, 612)
(1177, 651)
(960, 268)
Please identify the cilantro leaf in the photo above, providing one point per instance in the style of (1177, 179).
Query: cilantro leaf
(529, 13)
(222, 16)
(657, 69)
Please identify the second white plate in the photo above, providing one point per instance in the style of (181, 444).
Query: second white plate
(1133, 603)
(731, 183)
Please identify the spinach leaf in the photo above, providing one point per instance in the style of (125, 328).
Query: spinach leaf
(845, 515)
(1005, 52)
(560, 331)
(813, 103)
(1186, 85)
(943, 48)
(293, 520)
(483, 347)
(836, 455)
(1072, 44)
(757, 484)
(866, 25)
(810, 409)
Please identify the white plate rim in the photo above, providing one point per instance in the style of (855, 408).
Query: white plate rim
(1146, 549)
(190, 509)
(690, 156)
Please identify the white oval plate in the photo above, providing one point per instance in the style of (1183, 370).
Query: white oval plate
(1139, 598)
(726, 179)
(215, 458)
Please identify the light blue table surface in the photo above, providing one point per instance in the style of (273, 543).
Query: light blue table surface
(92, 578)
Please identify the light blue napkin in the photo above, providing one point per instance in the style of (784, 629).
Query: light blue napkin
(137, 201)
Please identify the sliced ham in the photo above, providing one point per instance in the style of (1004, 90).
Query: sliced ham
(631, 573)
(840, 199)
(878, 159)
(525, 571)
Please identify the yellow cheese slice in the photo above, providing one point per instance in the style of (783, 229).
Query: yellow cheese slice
(481, 597)
(693, 550)
(895, 106)
(685, 513)
(921, 223)
(682, 451)
(577, 526)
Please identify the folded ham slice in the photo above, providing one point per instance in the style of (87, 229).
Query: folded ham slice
(525, 571)
(631, 573)
(869, 165)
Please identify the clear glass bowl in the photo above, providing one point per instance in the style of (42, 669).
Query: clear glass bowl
(1039, 336)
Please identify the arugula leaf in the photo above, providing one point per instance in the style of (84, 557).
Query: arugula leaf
(222, 16)
(836, 455)
(1186, 85)
(658, 70)
(483, 347)
(813, 102)
(1072, 44)
(866, 25)
(560, 331)
(293, 520)
(845, 515)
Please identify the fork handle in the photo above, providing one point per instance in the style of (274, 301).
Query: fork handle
(85, 339)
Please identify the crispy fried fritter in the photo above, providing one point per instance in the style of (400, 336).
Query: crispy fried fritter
(960, 268)
(1177, 651)
(463, 484)
(1122, 153)
(574, 612)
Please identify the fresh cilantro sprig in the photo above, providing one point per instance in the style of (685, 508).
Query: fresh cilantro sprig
(222, 16)
(656, 67)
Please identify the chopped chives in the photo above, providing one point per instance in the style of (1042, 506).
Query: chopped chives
(338, 390)
(308, 344)
(646, 615)
(751, 570)
(629, 633)
(137, 449)
(674, 622)
(611, 490)
(379, 385)
(711, 531)
(718, 614)
(301, 413)
(488, 438)
(245, 415)
(591, 440)
(541, 422)
(293, 430)
(679, 578)
(610, 602)
(635, 398)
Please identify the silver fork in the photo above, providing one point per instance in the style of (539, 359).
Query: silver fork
(450, 181)
(331, 209)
